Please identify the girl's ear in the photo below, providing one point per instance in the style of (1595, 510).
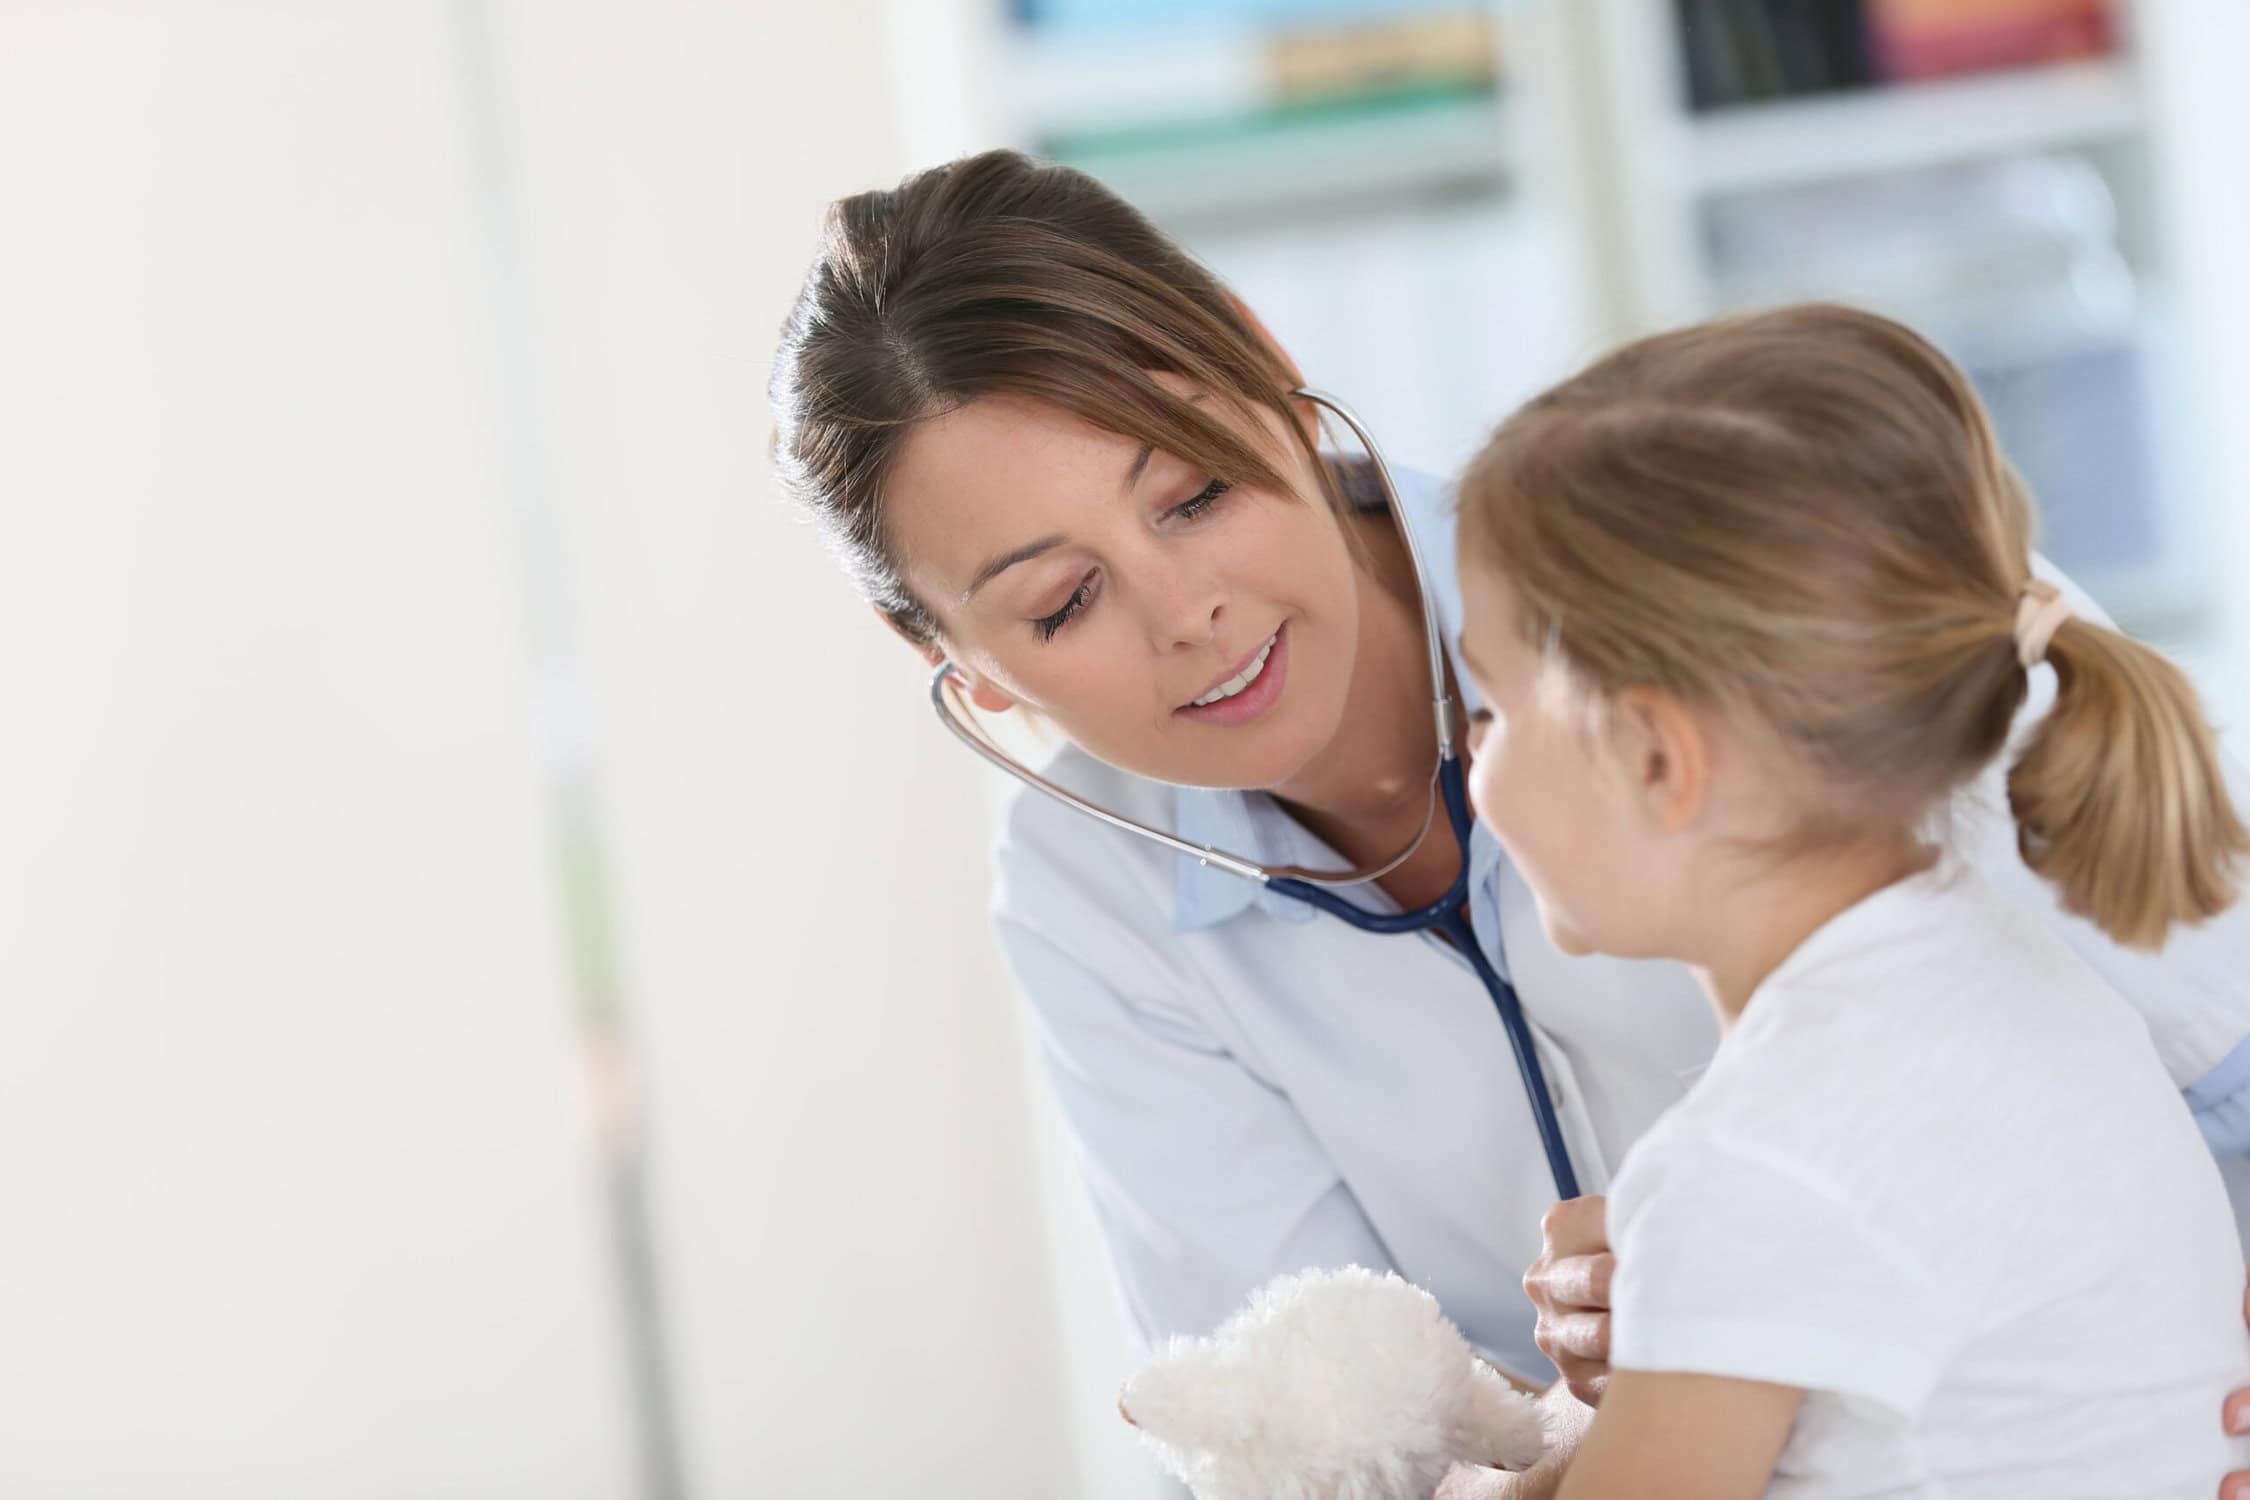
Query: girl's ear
(1665, 756)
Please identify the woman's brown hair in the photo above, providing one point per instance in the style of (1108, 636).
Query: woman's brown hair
(1804, 515)
(997, 274)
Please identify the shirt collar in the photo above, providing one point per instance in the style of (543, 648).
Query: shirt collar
(1252, 825)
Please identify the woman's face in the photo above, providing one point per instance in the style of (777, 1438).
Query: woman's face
(1111, 588)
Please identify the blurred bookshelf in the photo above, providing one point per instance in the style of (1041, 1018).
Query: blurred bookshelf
(1319, 162)
(1440, 208)
(1252, 111)
(1907, 126)
(1981, 169)
(1391, 184)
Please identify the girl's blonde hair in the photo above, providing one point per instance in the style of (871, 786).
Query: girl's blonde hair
(1803, 515)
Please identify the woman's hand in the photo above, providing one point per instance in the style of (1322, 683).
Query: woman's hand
(2236, 1486)
(1569, 1284)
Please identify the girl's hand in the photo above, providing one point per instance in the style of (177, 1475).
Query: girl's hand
(1569, 1284)
(1565, 1421)
(2236, 1486)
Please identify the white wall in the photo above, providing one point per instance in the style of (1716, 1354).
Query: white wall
(853, 1255)
(298, 1192)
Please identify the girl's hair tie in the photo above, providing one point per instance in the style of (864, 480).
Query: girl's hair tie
(2040, 612)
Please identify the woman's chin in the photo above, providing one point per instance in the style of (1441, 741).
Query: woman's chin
(1252, 758)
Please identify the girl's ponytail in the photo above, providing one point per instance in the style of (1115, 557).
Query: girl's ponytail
(1803, 515)
(2119, 797)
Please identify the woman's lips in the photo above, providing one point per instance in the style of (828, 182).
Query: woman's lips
(1252, 701)
(1254, 656)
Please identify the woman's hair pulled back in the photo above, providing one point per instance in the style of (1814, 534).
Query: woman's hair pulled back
(1804, 515)
(997, 274)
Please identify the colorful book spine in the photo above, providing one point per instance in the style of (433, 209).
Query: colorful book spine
(1918, 39)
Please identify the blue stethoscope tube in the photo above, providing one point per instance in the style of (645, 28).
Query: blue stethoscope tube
(1449, 914)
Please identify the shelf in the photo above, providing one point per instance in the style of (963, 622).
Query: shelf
(1903, 126)
(1318, 165)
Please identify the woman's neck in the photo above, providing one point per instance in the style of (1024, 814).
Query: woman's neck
(1368, 792)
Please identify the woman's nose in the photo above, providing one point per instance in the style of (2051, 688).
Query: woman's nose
(1194, 631)
(1188, 611)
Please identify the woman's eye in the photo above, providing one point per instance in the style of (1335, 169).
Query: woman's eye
(1202, 500)
(1047, 625)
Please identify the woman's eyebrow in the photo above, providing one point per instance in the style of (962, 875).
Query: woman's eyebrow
(994, 567)
(1006, 560)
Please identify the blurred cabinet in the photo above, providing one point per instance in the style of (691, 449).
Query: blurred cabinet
(1397, 188)
(2009, 205)
(1440, 208)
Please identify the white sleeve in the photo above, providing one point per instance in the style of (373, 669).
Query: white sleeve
(1731, 1262)
(1205, 1181)
(2195, 994)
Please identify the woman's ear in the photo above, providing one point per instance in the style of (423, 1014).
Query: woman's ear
(1665, 755)
(929, 651)
(987, 697)
(983, 694)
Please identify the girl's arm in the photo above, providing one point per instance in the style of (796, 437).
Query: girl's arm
(1685, 1437)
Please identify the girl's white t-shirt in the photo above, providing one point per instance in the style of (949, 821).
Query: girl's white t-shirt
(1937, 1177)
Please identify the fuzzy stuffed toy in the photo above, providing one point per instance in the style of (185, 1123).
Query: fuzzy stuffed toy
(1330, 1385)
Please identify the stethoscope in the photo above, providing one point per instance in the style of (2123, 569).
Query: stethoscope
(1319, 888)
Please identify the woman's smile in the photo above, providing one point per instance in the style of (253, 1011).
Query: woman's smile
(1247, 691)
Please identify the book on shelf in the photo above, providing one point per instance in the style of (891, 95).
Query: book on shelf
(1138, 15)
(1745, 51)
(1086, 97)
(1917, 39)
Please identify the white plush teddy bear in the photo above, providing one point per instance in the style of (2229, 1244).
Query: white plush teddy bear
(1329, 1385)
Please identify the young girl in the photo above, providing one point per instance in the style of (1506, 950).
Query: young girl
(1745, 604)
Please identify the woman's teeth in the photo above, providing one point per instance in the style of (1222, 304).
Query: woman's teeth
(1237, 683)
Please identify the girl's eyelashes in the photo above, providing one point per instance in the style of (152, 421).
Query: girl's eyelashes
(1047, 625)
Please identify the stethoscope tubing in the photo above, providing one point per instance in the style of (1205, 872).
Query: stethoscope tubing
(1449, 914)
